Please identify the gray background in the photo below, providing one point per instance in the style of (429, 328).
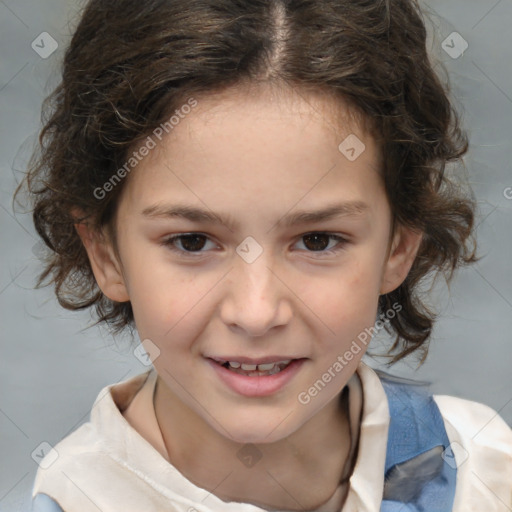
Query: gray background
(52, 368)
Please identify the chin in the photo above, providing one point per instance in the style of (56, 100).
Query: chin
(255, 429)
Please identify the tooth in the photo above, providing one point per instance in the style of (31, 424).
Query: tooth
(234, 364)
(288, 361)
(265, 367)
(248, 367)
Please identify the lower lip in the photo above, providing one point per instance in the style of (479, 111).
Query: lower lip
(259, 385)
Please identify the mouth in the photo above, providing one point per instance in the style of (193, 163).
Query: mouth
(256, 377)
(255, 369)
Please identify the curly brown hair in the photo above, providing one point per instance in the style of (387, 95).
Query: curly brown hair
(131, 64)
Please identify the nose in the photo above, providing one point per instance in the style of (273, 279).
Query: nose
(256, 298)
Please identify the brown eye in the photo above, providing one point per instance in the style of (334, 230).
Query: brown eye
(190, 243)
(193, 242)
(316, 241)
(321, 243)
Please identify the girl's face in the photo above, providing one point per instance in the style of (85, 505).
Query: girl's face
(288, 256)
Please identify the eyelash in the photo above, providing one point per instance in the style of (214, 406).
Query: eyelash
(169, 243)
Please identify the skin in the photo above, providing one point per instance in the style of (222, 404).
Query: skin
(256, 155)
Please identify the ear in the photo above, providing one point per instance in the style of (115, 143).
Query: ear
(401, 256)
(104, 263)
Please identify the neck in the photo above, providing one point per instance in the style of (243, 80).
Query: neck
(299, 472)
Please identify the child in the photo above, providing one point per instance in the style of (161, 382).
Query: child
(196, 155)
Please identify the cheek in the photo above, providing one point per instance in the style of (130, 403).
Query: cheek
(345, 307)
(346, 294)
(170, 305)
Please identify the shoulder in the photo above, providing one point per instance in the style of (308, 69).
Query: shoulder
(103, 458)
(481, 450)
(74, 470)
(71, 458)
(78, 450)
(468, 410)
(477, 426)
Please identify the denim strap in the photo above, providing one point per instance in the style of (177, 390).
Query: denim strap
(420, 472)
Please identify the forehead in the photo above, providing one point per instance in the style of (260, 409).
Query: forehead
(282, 103)
(249, 137)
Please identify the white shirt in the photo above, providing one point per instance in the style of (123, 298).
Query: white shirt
(118, 462)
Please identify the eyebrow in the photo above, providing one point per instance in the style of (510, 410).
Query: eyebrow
(194, 214)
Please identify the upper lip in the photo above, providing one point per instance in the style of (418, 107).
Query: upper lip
(255, 360)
